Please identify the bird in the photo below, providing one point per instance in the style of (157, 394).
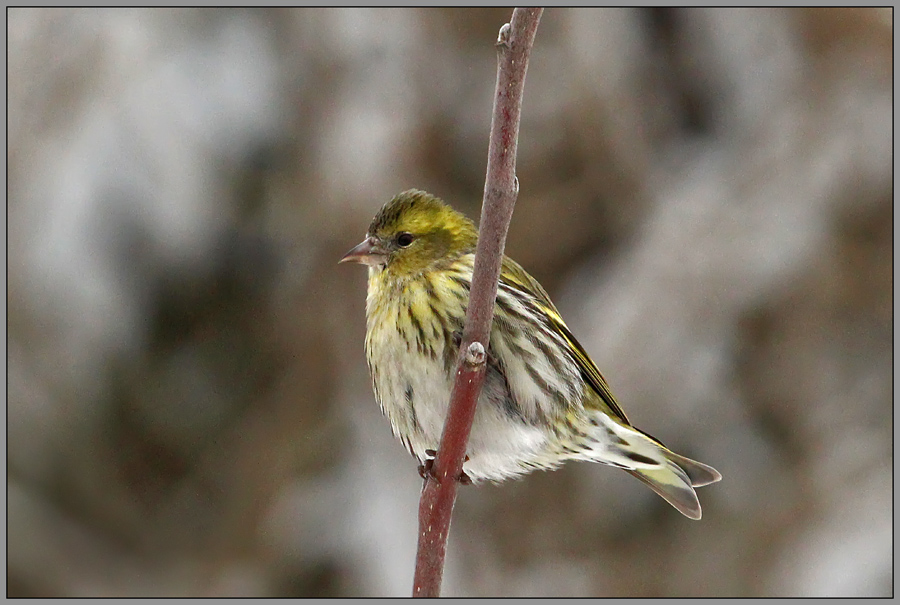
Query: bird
(543, 401)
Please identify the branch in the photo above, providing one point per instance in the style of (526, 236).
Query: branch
(500, 191)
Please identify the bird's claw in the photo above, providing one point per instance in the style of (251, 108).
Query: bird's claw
(426, 470)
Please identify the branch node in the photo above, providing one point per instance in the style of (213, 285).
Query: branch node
(475, 355)
(503, 36)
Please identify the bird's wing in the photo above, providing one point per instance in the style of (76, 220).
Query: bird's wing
(514, 276)
(593, 376)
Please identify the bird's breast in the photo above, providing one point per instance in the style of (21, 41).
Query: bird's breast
(412, 336)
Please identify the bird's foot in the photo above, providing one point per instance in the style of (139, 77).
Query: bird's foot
(426, 469)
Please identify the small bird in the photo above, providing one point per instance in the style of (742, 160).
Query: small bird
(543, 401)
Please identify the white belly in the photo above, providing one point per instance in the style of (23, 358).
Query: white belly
(414, 392)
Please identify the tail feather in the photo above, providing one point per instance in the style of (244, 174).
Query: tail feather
(699, 473)
(672, 483)
(670, 475)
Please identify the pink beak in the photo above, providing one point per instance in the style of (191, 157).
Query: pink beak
(367, 253)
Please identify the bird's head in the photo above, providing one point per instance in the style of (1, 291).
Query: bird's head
(414, 232)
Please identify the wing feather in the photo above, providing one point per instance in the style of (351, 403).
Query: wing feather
(514, 276)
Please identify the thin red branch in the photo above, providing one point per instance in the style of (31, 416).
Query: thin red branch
(500, 191)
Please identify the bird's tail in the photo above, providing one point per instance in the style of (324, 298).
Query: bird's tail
(670, 475)
(675, 480)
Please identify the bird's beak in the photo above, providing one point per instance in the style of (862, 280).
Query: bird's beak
(369, 252)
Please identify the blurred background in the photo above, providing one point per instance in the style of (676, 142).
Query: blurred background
(706, 194)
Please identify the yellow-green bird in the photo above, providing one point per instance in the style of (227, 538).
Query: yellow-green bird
(543, 401)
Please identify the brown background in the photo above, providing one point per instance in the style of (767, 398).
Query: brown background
(707, 195)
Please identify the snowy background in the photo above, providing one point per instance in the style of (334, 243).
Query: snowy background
(707, 194)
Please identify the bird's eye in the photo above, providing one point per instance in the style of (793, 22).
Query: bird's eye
(404, 239)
